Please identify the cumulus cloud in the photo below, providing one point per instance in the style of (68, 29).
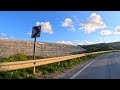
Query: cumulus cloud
(117, 30)
(46, 27)
(68, 23)
(75, 42)
(106, 32)
(115, 40)
(3, 34)
(87, 43)
(93, 22)
(99, 42)
(90, 42)
(65, 42)
(78, 42)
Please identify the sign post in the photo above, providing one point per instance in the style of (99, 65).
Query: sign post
(34, 55)
(35, 33)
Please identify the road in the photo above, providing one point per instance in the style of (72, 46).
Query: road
(106, 66)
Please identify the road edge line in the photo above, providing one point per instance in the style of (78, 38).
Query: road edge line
(84, 67)
(81, 70)
(116, 59)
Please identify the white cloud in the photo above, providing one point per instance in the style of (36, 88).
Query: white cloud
(3, 38)
(38, 23)
(74, 16)
(3, 34)
(72, 28)
(93, 22)
(99, 42)
(87, 43)
(115, 40)
(90, 42)
(65, 42)
(106, 32)
(68, 23)
(29, 33)
(117, 30)
(12, 37)
(77, 42)
(46, 27)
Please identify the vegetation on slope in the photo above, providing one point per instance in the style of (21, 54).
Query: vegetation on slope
(101, 47)
(98, 47)
(18, 57)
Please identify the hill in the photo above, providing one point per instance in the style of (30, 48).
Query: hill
(101, 46)
(44, 49)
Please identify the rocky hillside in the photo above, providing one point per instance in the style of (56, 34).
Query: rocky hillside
(11, 47)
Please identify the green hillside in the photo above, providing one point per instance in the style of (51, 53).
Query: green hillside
(101, 46)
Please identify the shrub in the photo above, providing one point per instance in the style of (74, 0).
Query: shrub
(18, 57)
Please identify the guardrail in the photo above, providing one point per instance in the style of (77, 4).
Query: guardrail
(9, 66)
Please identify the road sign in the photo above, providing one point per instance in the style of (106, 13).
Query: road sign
(36, 31)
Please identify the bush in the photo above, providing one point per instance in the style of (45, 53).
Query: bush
(36, 57)
(18, 57)
(3, 59)
(30, 77)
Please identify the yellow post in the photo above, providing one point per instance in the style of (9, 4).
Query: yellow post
(34, 70)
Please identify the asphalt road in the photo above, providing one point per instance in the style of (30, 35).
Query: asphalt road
(106, 66)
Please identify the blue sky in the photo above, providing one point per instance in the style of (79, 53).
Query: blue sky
(69, 27)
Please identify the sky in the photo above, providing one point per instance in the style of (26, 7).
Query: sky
(65, 27)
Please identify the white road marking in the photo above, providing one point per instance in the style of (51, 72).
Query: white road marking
(116, 59)
(83, 68)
